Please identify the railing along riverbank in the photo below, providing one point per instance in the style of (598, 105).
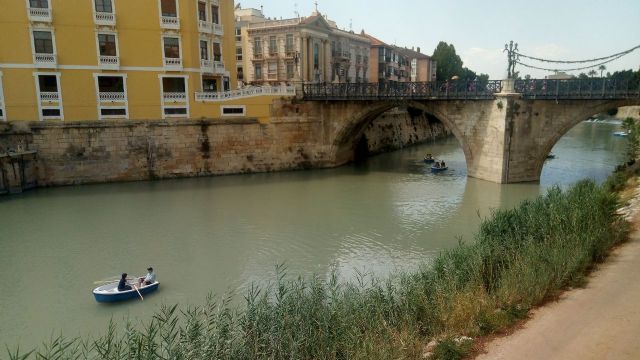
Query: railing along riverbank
(519, 258)
(282, 90)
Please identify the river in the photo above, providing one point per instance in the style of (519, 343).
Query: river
(219, 234)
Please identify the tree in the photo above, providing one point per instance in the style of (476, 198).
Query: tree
(449, 63)
(593, 73)
(602, 68)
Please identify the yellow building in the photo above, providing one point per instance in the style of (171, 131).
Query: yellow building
(124, 59)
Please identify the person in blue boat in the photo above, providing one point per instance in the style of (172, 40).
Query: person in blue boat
(123, 285)
(149, 279)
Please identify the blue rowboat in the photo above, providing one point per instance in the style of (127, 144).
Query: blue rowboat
(438, 168)
(110, 293)
(620, 133)
(428, 160)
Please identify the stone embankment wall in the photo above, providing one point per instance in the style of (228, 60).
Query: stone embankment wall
(628, 112)
(402, 127)
(58, 153)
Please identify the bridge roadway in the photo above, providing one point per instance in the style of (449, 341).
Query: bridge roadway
(533, 89)
(506, 128)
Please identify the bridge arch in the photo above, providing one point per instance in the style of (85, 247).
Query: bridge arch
(352, 127)
(575, 112)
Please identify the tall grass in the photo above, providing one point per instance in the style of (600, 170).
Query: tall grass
(520, 258)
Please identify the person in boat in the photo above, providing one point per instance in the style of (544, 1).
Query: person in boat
(149, 279)
(442, 163)
(123, 285)
(428, 157)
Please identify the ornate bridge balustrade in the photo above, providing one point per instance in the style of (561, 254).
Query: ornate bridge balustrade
(541, 89)
(577, 89)
(447, 90)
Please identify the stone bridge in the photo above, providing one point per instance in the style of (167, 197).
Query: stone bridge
(506, 128)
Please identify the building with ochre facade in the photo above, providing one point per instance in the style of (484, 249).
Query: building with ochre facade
(119, 59)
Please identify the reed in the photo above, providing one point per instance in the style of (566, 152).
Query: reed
(520, 258)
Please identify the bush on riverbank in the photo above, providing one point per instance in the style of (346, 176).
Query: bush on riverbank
(520, 258)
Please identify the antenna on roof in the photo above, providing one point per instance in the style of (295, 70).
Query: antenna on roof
(350, 24)
(295, 7)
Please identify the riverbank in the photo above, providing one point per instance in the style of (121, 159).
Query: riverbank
(599, 321)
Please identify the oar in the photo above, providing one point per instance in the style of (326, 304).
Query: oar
(107, 280)
(138, 291)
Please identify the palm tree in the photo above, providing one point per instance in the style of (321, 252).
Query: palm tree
(602, 68)
(593, 73)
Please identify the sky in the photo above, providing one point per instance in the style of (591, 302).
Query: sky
(479, 29)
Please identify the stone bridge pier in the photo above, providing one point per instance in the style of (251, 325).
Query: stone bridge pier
(505, 139)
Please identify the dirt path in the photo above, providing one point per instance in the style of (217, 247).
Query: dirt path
(601, 321)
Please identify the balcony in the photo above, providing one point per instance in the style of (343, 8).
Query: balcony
(104, 18)
(218, 29)
(246, 92)
(40, 15)
(206, 66)
(174, 97)
(257, 56)
(170, 22)
(49, 61)
(174, 64)
(205, 27)
(109, 62)
(218, 67)
(112, 97)
(49, 96)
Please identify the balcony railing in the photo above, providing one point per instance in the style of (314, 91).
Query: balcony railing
(109, 96)
(206, 65)
(218, 67)
(205, 26)
(104, 18)
(109, 62)
(173, 63)
(50, 96)
(169, 22)
(218, 29)
(40, 14)
(247, 92)
(257, 56)
(174, 97)
(45, 60)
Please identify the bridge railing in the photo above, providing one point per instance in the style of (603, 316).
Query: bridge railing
(593, 88)
(444, 90)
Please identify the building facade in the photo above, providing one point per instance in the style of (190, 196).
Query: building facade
(397, 64)
(116, 59)
(311, 49)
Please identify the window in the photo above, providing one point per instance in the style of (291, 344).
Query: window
(257, 46)
(238, 34)
(316, 56)
(169, 8)
(273, 47)
(202, 11)
(217, 52)
(40, 4)
(113, 112)
(43, 42)
(173, 85)
(215, 16)
(240, 73)
(209, 84)
(290, 70)
(239, 53)
(51, 112)
(204, 50)
(171, 47)
(48, 83)
(112, 84)
(272, 70)
(289, 43)
(258, 71)
(107, 44)
(175, 111)
(234, 110)
(104, 6)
